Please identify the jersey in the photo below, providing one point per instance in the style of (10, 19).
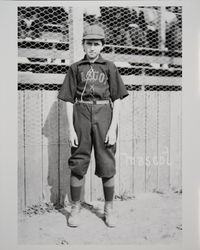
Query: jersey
(92, 81)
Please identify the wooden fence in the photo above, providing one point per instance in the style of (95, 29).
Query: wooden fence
(149, 143)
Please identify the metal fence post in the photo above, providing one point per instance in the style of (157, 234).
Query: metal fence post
(75, 33)
(162, 27)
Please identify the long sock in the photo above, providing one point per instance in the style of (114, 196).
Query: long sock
(76, 183)
(108, 188)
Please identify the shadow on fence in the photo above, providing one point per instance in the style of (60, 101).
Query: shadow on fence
(55, 130)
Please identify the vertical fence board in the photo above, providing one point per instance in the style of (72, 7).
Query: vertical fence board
(21, 180)
(175, 140)
(126, 145)
(50, 146)
(139, 141)
(117, 157)
(151, 141)
(163, 141)
(64, 154)
(33, 147)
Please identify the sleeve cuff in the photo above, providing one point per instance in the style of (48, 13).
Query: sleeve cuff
(119, 97)
(66, 99)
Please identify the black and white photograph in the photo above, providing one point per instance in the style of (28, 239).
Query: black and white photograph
(99, 90)
(100, 124)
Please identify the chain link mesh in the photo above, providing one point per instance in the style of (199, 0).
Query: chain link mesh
(130, 31)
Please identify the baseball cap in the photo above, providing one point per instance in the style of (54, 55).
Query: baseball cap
(93, 32)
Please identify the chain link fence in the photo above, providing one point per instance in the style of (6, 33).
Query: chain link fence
(132, 31)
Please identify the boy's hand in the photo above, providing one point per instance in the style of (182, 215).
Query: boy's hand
(111, 137)
(73, 139)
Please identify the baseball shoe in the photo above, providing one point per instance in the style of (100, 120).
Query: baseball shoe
(109, 217)
(74, 218)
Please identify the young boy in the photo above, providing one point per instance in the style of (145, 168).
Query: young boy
(92, 90)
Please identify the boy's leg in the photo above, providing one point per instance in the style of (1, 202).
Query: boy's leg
(80, 157)
(104, 157)
(108, 189)
(76, 183)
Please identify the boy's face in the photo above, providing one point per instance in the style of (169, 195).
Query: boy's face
(92, 48)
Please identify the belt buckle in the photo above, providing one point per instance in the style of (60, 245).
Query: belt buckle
(94, 101)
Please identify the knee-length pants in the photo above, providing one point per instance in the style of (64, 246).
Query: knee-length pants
(91, 123)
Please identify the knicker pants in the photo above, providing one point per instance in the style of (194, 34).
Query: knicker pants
(91, 123)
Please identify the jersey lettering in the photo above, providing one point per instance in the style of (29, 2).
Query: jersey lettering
(93, 76)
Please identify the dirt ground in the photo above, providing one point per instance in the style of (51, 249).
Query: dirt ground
(146, 219)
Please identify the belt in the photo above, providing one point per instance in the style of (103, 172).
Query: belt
(95, 101)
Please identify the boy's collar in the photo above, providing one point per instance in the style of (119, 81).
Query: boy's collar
(98, 60)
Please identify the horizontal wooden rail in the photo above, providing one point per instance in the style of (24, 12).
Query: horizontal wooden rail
(142, 59)
(58, 62)
(60, 54)
(43, 53)
(26, 77)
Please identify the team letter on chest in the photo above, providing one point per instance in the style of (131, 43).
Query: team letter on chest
(93, 76)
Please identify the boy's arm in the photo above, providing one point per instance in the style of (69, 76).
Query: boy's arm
(111, 136)
(73, 139)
